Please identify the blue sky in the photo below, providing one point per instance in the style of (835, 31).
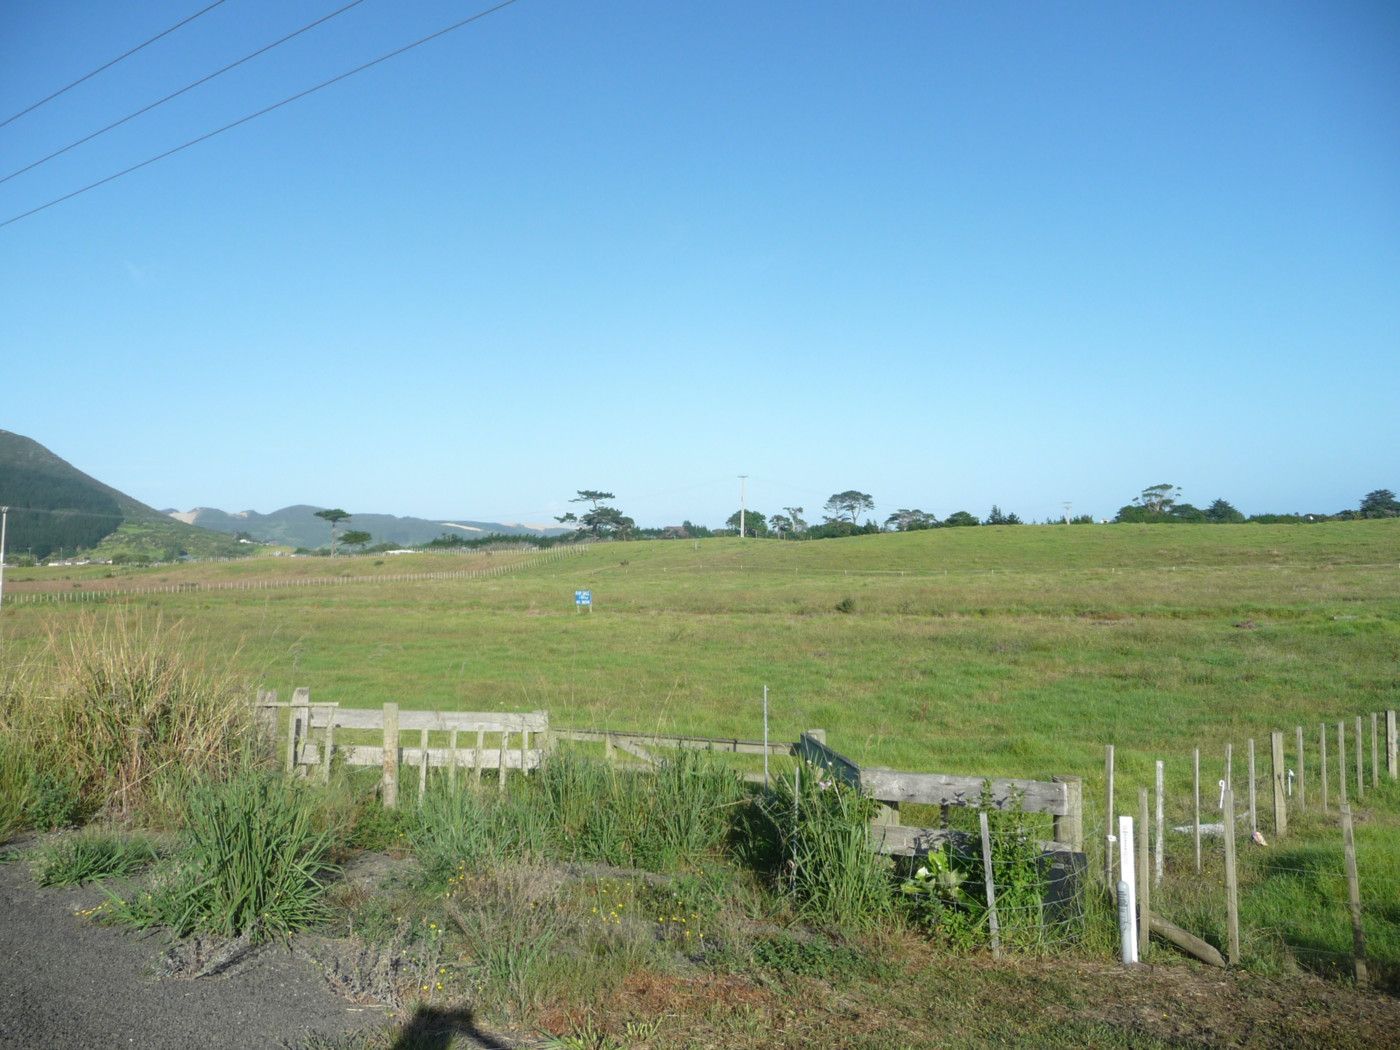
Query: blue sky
(948, 254)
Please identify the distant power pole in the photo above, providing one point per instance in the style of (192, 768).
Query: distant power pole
(4, 522)
(743, 483)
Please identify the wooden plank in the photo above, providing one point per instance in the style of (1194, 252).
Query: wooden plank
(906, 840)
(636, 751)
(389, 757)
(1358, 935)
(444, 721)
(940, 789)
(1280, 775)
(438, 757)
(681, 742)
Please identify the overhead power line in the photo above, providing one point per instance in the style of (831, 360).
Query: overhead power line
(109, 65)
(188, 87)
(262, 112)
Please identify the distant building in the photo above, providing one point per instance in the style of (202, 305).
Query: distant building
(675, 532)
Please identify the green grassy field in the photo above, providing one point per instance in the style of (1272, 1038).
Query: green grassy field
(997, 650)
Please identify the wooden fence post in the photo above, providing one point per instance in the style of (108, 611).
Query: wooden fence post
(1392, 755)
(1341, 763)
(1280, 783)
(1375, 750)
(327, 745)
(1322, 760)
(1360, 760)
(452, 763)
(1196, 804)
(476, 755)
(1108, 838)
(990, 883)
(501, 761)
(1144, 876)
(389, 782)
(422, 765)
(1232, 884)
(293, 728)
(1358, 935)
(1302, 780)
(1253, 801)
(1158, 859)
(1069, 829)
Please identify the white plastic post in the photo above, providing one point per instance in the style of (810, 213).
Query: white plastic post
(1127, 890)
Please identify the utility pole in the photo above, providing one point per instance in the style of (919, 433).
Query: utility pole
(4, 522)
(743, 483)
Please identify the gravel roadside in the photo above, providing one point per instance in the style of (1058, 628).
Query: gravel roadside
(68, 982)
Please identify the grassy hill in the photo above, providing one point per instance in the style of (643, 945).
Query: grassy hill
(56, 508)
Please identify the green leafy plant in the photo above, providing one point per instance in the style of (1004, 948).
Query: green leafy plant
(252, 862)
(91, 856)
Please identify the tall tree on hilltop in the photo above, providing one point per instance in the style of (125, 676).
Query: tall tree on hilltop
(849, 503)
(335, 516)
(1380, 504)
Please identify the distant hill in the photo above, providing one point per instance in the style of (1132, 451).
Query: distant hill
(298, 526)
(56, 508)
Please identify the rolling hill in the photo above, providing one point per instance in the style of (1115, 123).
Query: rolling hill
(56, 508)
(298, 526)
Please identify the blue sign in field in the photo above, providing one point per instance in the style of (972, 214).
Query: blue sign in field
(583, 597)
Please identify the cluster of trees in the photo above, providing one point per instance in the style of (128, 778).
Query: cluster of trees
(51, 513)
(601, 520)
(1163, 503)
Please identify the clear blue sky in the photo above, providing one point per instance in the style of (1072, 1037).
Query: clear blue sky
(948, 254)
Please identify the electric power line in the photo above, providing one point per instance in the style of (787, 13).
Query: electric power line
(262, 112)
(176, 94)
(109, 65)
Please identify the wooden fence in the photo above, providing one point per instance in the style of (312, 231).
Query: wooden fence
(1062, 798)
(500, 740)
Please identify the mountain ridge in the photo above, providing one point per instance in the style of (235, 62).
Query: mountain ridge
(297, 525)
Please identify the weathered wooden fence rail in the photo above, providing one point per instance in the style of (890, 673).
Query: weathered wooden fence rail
(1062, 798)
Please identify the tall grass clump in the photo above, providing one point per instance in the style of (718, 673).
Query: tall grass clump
(90, 856)
(251, 861)
(822, 851)
(579, 808)
(123, 706)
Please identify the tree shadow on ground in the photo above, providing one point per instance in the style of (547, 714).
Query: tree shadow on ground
(431, 1028)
